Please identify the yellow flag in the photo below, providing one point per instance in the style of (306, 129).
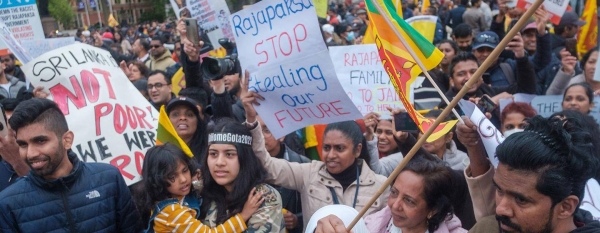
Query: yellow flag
(178, 81)
(588, 33)
(424, 24)
(426, 4)
(112, 22)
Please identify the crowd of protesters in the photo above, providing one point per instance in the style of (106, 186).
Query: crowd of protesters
(268, 184)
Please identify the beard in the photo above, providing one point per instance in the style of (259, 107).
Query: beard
(506, 221)
(52, 163)
(9, 69)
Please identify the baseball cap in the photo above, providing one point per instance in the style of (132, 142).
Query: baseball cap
(361, 11)
(486, 39)
(328, 28)
(182, 101)
(529, 26)
(570, 18)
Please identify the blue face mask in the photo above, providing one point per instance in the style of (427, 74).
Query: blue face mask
(350, 36)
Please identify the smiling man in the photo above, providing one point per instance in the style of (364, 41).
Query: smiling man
(61, 193)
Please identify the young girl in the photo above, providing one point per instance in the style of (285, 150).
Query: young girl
(230, 171)
(167, 176)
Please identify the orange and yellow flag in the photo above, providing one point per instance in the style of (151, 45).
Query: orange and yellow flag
(588, 33)
(397, 61)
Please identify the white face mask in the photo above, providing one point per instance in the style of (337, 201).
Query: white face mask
(509, 132)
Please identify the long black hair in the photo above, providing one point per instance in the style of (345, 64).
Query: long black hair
(161, 161)
(251, 174)
(353, 132)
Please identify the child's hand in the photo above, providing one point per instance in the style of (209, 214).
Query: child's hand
(254, 201)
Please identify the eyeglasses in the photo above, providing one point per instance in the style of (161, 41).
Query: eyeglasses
(158, 86)
(486, 38)
(155, 46)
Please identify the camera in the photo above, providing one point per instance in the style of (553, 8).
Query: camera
(215, 68)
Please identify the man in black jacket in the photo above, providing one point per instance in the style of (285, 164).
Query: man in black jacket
(61, 192)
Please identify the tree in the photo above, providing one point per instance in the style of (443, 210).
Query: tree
(157, 12)
(62, 11)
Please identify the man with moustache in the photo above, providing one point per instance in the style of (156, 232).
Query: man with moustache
(61, 193)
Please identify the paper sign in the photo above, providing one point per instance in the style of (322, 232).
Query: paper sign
(9, 42)
(519, 97)
(556, 8)
(281, 45)
(359, 70)
(591, 198)
(112, 121)
(22, 19)
(546, 105)
(36, 48)
(490, 136)
(212, 16)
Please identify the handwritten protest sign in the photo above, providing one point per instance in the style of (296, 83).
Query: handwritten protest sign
(280, 44)
(22, 19)
(9, 42)
(556, 8)
(359, 70)
(591, 199)
(212, 16)
(490, 136)
(36, 48)
(546, 105)
(111, 120)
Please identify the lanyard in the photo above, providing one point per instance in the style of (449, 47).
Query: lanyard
(335, 199)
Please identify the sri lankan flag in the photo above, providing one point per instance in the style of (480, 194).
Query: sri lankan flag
(588, 33)
(397, 61)
(166, 133)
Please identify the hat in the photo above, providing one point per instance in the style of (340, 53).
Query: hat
(344, 212)
(570, 18)
(529, 26)
(328, 28)
(107, 35)
(487, 39)
(361, 5)
(182, 101)
(361, 11)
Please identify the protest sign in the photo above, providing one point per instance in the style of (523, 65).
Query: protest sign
(519, 97)
(556, 8)
(591, 198)
(212, 16)
(282, 47)
(22, 19)
(490, 136)
(36, 48)
(8, 41)
(597, 72)
(546, 105)
(111, 120)
(359, 71)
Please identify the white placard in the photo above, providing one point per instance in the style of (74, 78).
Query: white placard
(212, 16)
(359, 70)
(113, 123)
(490, 136)
(8, 42)
(36, 48)
(281, 45)
(591, 198)
(556, 8)
(22, 19)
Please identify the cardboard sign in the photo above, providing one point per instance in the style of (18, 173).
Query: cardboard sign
(22, 19)
(359, 70)
(111, 120)
(212, 16)
(556, 8)
(36, 48)
(281, 45)
(490, 136)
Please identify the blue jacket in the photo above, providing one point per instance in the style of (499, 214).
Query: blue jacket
(455, 16)
(92, 198)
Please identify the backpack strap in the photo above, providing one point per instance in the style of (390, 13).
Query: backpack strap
(508, 72)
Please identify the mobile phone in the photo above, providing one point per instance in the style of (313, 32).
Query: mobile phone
(486, 78)
(404, 123)
(192, 33)
(486, 104)
(571, 46)
(3, 122)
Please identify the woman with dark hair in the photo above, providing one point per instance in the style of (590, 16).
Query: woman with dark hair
(229, 172)
(450, 49)
(566, 74)
(120, 40)
(184, 114)
(344, 34)
(335, 180)
(513, 117)
(578, 97)
(420, 201)
(138, 70)
(167, 175)
(445, 147)
(383, 149)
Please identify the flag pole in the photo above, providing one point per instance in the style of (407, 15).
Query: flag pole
(412, 53)
(484, 66)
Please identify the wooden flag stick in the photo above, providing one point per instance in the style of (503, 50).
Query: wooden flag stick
(412, 53)
(484, 66)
